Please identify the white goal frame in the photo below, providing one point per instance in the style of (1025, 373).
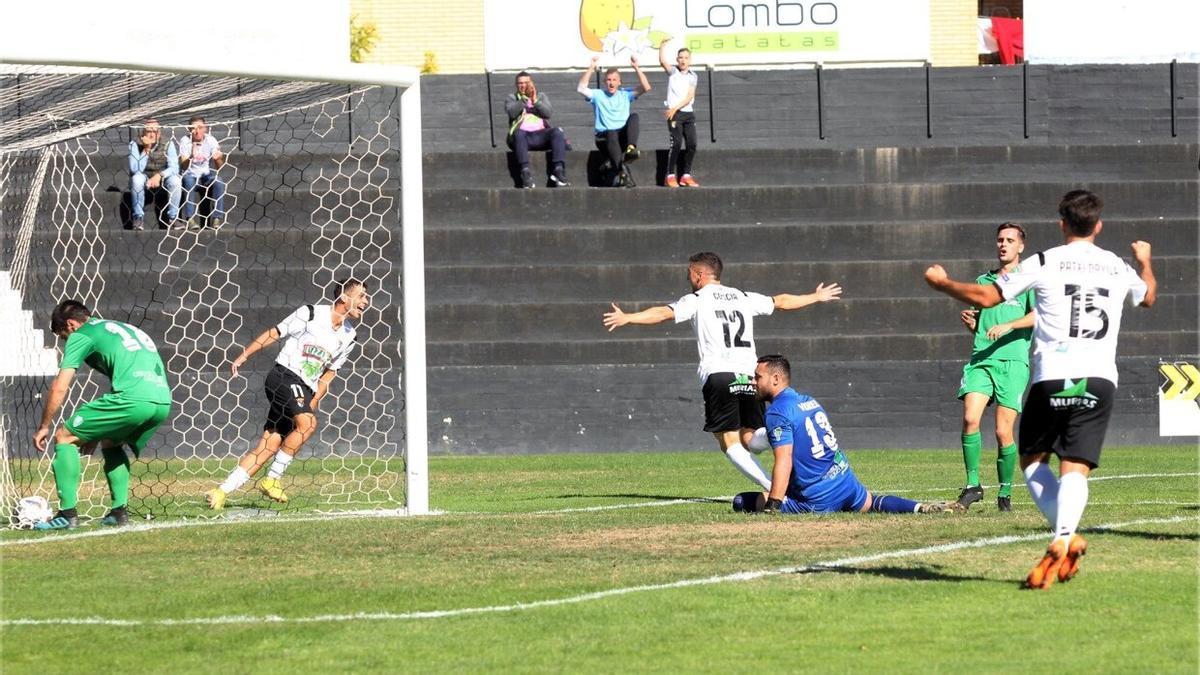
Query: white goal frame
(412, 202)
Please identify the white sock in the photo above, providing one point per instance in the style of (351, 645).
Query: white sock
(758, 442)
(282, 459)
(1072, 500)
(1043, 487)
(745, 463)
(236, 480)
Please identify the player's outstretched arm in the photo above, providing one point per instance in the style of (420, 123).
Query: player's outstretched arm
(267, 338)
(583, 88)
(1141, 253)
(618, 318)
(323, 386)
(54, 400)
(823, 293)
(972, 294)
(1000, 329)
(643, 83)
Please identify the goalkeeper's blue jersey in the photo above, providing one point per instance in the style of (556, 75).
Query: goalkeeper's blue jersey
(819, 469)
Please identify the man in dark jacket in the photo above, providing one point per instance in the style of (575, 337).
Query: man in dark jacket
(529, 129)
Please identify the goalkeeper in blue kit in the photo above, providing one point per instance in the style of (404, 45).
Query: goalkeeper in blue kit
(811, 475)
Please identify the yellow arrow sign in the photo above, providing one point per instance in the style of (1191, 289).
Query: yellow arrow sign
(1183, 381)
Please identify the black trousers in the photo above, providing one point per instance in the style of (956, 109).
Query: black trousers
(683, 128)
(613, 143)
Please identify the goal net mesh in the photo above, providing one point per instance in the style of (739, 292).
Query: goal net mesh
(311, 195)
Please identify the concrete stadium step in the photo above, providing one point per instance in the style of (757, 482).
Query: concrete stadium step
(717, 165)
(835, 203)
(682, 349)
(608, 282)
(622, 243)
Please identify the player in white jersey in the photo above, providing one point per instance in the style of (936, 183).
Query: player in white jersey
(1080, 291)
(723, 319)
(317, 340)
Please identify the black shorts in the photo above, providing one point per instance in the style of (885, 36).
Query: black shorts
(288, 396)
(729, 403)
(1069, 421)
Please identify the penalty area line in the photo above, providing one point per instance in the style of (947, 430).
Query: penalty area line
(582, 598)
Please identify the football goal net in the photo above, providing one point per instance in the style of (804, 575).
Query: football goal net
(318, 179)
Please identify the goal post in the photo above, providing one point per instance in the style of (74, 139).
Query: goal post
(201, 276)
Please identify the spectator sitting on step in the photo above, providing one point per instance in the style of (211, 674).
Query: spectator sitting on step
(616, 127)
(153, 165)
(200, 157)
(529, 129)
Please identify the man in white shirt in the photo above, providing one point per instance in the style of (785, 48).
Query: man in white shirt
(317, 340)
(200, 157)
(723, 319)
(1080, 291)
(681, 120)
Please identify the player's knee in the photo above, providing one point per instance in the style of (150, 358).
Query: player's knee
(970, 422)
(63, 435)
(1004, 437)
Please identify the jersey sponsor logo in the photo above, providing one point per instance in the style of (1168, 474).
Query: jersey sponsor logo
(1074, 395)
(741, 385)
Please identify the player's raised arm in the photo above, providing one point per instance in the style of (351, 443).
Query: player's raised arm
(643, 83)
(823, 293)
(583, 88)
(973, 294)
(267, 338)
(1141, 253)
(54, 400)
(617, 318)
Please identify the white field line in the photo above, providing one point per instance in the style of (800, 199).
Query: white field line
(577, 599)
(397, 513)
(1092, 479)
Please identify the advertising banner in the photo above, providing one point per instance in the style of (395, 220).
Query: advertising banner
(1111, 31)
(549, 34)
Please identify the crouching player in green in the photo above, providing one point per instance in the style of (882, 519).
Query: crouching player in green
(998, 371)
(139, 402)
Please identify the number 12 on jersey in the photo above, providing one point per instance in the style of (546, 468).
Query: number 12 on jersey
(729, 318)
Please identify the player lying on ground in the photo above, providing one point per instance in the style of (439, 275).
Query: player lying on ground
(723, 320)
(1080, 291)
(318, 340)
(998, 371)
(811, 475)
(139, 402)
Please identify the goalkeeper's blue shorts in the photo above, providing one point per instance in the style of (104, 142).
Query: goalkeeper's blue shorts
(843, 493)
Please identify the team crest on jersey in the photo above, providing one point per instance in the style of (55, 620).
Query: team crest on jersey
(777, 433)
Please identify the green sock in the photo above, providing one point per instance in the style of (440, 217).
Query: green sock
(116, 469)
(972, 446)
(1006, 465)
(66, 475)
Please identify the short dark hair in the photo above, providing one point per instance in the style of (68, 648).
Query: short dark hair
(65, 311)
(1080, 210)
(1012, 226)
(708, 259)
(196, 118)
(777, 363)
(612, 70)
(682, 50)
(521, 74)
(345, 285)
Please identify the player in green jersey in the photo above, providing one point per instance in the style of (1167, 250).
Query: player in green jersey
(998, 371)
(139, 402)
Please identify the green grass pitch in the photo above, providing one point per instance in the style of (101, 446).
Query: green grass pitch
(520, 573)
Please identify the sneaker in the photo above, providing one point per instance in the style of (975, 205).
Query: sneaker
(938, 507)
(215, 223)
(627, 177)
(1004, 503)
(138, 224)
(970, 495)
(60, 521)
(215, 498)
(632, 153)
(117, 517)
(671, 182)
(272, 490)
(688, 181)
(194, 223)
(1075, 551)
(178, 224)
(1046, 571)
(559, 179)
(526, 179)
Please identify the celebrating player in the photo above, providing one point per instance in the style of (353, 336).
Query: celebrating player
(723, 319)
(998, 371)
(1080, 291)
(318, 340)
(139, 402)
(811, 475)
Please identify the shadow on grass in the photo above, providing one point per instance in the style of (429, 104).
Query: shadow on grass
(913, 573)
(1152, 536)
